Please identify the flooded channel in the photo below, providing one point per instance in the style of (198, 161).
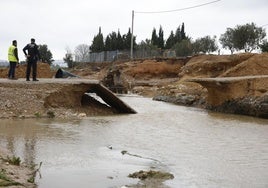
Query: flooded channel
(201, 149)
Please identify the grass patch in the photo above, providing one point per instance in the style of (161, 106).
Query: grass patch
(37, 114)
(5, 181)
(13, 160)
(31, 180)
(50, 114)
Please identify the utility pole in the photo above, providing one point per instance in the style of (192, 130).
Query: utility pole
(131, 45)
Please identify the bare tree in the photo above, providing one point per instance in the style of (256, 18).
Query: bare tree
(81, 53)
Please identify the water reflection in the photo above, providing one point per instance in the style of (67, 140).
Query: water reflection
(20, 137)
(235, 117)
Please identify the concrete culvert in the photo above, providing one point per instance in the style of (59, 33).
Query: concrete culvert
(64, 74)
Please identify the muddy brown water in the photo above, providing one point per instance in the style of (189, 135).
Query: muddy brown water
(201, 149)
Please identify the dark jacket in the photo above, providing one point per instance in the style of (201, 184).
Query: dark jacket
(16, 53)
(33, 51)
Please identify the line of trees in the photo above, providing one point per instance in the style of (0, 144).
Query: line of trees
(178, 41)
(113, 41)
(246, 37)
(116, 41)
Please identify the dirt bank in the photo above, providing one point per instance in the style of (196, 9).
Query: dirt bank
(160, 78)
(61, 98)
(168, 80)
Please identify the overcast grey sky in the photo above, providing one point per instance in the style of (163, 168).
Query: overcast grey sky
(68, 23)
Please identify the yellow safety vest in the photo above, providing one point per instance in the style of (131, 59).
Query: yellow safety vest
(11, 55)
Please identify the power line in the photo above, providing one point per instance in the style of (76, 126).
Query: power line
(166, 11)
(181, 9)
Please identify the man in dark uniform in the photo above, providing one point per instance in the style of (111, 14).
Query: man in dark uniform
(33, 56)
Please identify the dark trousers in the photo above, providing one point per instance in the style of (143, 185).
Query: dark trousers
(12, 67)
(31, 64)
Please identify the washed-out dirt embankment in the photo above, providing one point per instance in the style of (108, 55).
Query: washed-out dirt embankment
(181, 81)
(176, 81)
(66, 98)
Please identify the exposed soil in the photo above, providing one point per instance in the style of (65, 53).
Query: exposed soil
(48, 98)
(168, 77)
(43, 71)
(162, 79)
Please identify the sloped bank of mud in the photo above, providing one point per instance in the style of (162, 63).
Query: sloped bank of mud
(246, 97)
(239, 89)
(252, 106)
(169, 80)
(162, 79)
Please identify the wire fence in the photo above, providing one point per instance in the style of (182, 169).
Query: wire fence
(109, 56)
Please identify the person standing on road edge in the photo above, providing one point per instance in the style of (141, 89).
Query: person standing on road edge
(32, 56)
(13, 60)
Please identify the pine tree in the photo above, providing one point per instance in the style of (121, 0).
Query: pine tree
(113, 37)
(154, 39)
(120, 42)
(161, 42)
(97, 43)
(183, 35)
(107, 43)
(178, 37)
(127, 40)
(171, 41)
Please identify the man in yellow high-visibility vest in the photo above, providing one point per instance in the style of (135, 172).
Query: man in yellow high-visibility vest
(13, 60)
